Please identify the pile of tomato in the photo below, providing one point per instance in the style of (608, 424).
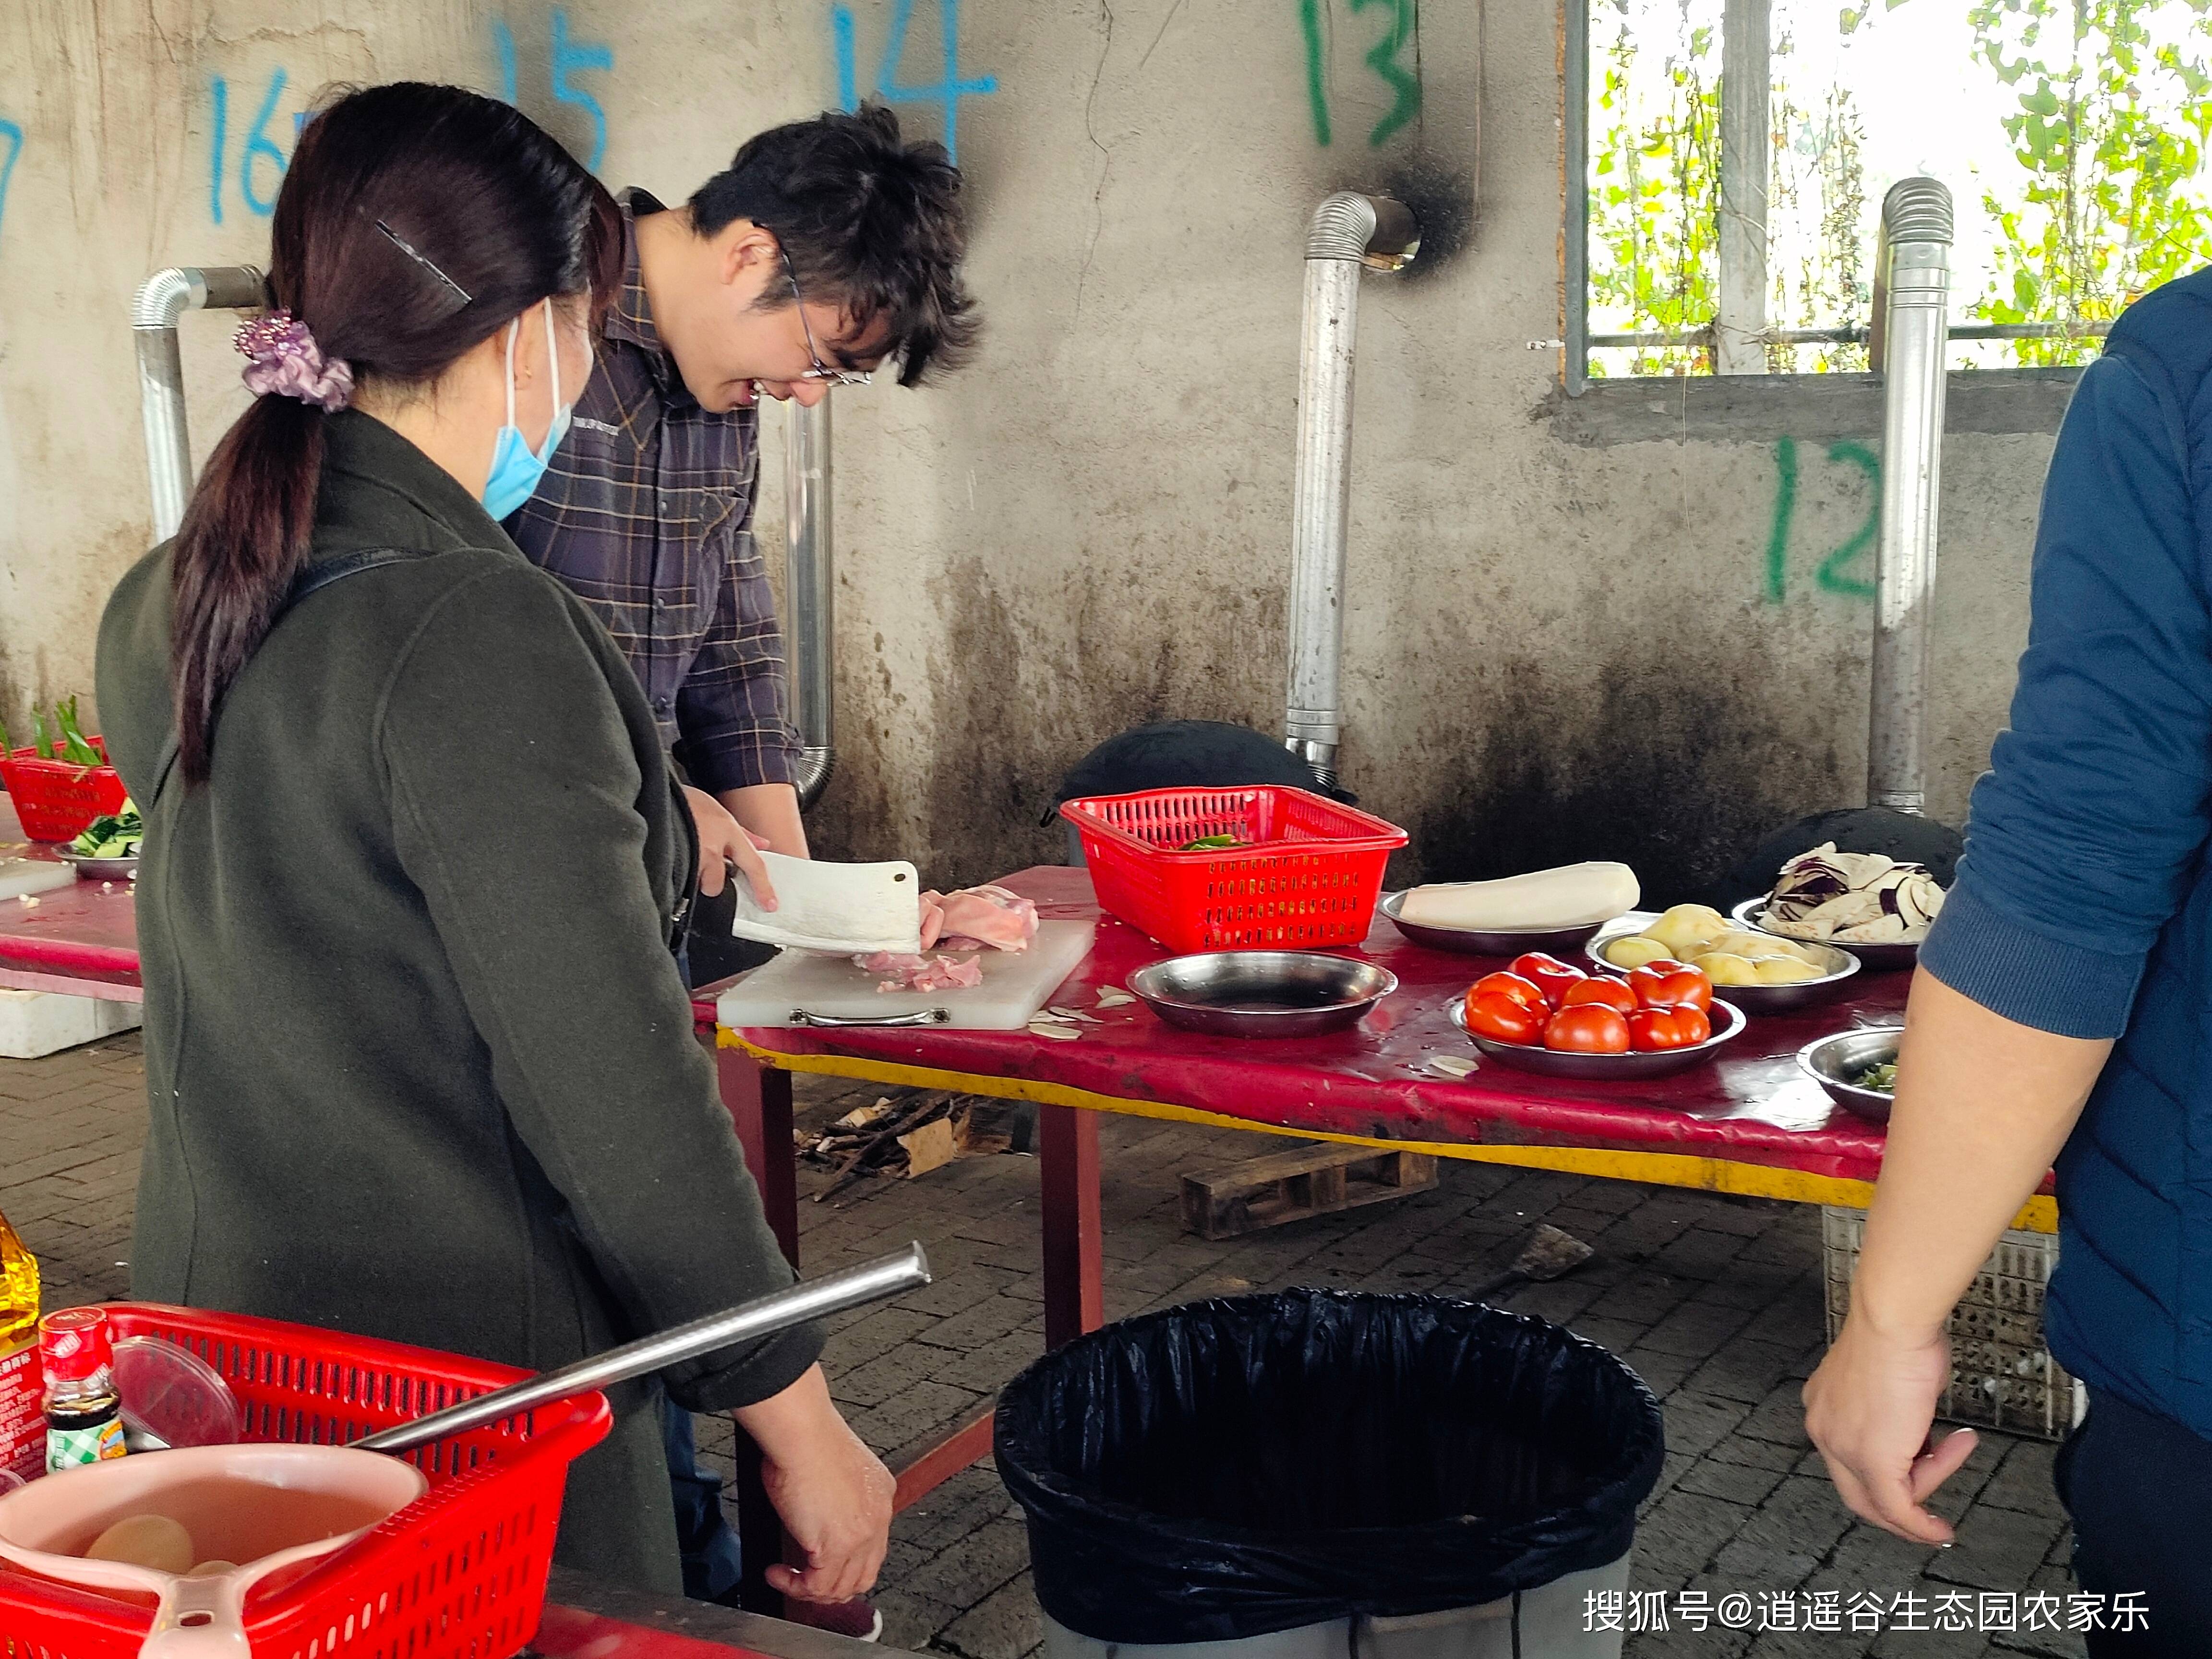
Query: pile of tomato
(1543, 1002)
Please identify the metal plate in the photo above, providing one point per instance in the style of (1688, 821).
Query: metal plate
(1830, 1061)
(93, 869)
(1261, 993)
(1474, 942)
(1882, 958)
(1841, 965)
(1622, 1068)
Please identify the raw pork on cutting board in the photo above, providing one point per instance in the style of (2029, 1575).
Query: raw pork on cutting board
(973, 919)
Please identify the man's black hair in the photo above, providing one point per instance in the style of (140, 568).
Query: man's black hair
(869, 223)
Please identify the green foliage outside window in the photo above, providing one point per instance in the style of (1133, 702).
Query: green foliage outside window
(2109, 114)
(2111, 128)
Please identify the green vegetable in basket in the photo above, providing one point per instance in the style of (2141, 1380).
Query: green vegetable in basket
(7, 744)
(1212, 843)
(39, 744)
(115, 838)
(73, 746)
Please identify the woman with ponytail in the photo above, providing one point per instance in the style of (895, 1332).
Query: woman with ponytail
(419, 1063)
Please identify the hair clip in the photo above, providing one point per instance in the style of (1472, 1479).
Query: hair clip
(425, 261)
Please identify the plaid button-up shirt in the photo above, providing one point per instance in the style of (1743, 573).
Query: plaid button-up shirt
(646, 515)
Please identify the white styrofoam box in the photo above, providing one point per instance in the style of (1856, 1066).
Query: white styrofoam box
(35, 1023)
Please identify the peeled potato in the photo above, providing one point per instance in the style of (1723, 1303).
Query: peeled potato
(1726, 967)
(145, 1541)
(1635, 951)
(1686, 927)
(1783, 970)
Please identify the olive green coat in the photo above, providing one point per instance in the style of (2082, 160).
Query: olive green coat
(419, 1060)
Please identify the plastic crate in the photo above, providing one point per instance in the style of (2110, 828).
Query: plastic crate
(1311, 879)
(55, 800)
(2002, 1375)
(458, 1574)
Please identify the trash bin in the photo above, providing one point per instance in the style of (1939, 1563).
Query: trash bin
(1319, 1473)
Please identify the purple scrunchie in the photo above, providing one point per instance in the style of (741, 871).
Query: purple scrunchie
(287, 361)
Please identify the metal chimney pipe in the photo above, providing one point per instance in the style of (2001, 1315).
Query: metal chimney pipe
(1912, 275)
(810, 581)
(1348, 232)
(161, 299)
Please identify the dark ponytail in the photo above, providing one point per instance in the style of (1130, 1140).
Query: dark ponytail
(415, 222)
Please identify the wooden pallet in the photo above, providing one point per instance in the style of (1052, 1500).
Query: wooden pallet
(1309, 1180)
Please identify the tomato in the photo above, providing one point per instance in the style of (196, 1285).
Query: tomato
(1527, 993)
(1588, 1027)
(1497, 1015)
(1667, 1028)
(1677, 987)
(1611, 992)
(1548, 972)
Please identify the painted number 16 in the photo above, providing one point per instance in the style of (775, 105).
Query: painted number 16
(258, 149)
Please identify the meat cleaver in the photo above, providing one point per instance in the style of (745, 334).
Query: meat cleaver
(841, 909)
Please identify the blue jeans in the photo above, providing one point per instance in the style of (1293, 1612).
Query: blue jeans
(712, 1569)
(709, 1543)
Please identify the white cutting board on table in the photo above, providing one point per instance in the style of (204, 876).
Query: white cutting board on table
(21, 876)
(1016, 984)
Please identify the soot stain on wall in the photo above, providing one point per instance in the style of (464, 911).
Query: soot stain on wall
(1675, 779)
(986, 792)
(1442, 195)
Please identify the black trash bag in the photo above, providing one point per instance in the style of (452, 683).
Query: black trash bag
(1251, 1464)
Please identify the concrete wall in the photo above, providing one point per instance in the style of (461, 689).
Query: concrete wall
(1570, 633)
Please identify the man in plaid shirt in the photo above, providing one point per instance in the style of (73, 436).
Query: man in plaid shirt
(827, 248)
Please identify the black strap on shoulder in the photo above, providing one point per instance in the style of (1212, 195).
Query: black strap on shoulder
(316, 577)
(313, 580)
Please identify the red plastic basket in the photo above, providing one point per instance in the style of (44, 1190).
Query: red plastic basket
(57, 799)
(458, 1574)
(1310, 878)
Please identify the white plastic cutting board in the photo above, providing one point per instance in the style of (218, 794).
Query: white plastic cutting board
(1015, 986)
(21, 876)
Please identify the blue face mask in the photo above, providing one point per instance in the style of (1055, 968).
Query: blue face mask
(515, 470)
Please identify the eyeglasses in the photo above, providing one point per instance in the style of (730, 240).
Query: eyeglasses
(820, 371)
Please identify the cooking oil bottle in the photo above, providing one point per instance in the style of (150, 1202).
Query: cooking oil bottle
(23, 1418)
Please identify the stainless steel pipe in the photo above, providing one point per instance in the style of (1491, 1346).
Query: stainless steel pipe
(1348, 233)
(810, 582)
(892, 1275)
(1912, 272)
(161, 298)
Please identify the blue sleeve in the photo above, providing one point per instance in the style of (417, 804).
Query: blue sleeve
(2084, 834)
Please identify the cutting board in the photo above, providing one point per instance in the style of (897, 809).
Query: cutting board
(21, 876)
(1015, 986)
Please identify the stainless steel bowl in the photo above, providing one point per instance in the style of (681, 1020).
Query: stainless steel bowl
(1882, 958)
(1261, 993)
(1480, 942)
(93, 869)
(1836, 965)
(1831, 1061)
(1729, 1022)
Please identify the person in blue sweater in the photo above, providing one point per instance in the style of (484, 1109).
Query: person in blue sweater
(2063, 1009)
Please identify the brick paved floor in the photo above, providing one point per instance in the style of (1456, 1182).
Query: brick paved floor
(1716, 1301)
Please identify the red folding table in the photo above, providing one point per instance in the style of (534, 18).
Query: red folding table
(1750, 1122)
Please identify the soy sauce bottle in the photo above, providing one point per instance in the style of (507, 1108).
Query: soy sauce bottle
(84, 1412)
